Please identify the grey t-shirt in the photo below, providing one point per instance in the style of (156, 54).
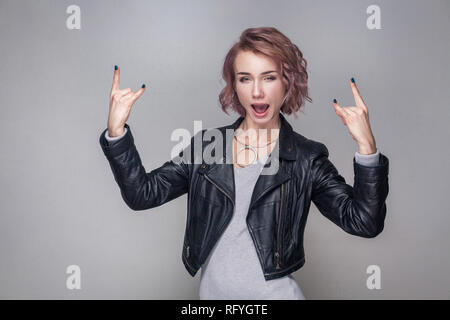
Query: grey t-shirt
(233, 270)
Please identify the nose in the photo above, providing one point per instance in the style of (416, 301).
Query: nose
(257, 91)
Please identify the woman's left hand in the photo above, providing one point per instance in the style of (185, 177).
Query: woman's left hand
(356, 118)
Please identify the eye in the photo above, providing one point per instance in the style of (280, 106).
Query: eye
(270, 78)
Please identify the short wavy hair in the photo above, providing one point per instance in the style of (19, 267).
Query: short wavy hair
(272, 43)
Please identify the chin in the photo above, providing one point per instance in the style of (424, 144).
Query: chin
(266, 119)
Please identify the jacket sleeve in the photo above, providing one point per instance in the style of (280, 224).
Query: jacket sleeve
(368, 160)
(359, 210)
(115, 138)
(141, 190)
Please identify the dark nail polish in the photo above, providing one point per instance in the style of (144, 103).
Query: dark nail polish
(115, 67)
(353, 80)
(143, 86)
(334, 100)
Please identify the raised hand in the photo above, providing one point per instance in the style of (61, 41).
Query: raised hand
(356, 118)
(120, 105)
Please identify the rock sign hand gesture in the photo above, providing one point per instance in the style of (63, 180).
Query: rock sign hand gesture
(120, 105)
(356, 118)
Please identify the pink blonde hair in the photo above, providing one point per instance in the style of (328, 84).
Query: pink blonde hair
(271, 43)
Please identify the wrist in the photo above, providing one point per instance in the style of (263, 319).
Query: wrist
(367, 149)
(116, 133)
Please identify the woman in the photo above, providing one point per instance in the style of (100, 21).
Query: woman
(245, 227)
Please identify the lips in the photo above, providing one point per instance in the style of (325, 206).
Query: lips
(260, 110)
(260, 107)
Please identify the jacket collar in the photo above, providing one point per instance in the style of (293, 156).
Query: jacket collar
(222, 174)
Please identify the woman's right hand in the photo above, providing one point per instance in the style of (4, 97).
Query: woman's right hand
(120, 105)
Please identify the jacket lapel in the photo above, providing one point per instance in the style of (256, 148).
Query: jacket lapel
(273, 178)
(222, 174)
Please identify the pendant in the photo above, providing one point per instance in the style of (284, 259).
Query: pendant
(254, 152)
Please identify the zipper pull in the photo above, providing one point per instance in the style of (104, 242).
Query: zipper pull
(187, 252)
(277, 255)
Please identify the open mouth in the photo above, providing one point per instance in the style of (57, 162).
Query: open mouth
(260, 109)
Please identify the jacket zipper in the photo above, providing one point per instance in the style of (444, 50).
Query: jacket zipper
(188, 225)
(231, 202)
(194, 196)
(223, 191)
(277, 253)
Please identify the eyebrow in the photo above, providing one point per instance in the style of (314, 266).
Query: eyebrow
(265, 72)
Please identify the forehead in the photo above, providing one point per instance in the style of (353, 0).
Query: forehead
(247, 61)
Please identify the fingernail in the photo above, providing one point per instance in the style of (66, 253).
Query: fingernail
(143, 86)
(115, 67)
(334, 100)
(353, 80)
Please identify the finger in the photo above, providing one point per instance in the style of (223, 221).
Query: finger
(349, 111)
(116, 79)
(358, 99)
(123, 92)
(127, 95)
(355, 110)
(339, 110)
(119, 94)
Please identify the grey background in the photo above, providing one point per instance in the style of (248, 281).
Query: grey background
(61, 206)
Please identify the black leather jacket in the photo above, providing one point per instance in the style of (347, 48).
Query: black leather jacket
(279, 204)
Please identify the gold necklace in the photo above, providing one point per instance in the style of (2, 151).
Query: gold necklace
(249, 147)
(250, 144)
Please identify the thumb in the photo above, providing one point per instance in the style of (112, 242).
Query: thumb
(139, 93)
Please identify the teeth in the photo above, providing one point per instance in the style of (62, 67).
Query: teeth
(261, 108)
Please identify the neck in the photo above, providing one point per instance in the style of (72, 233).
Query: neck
(255, 134)
(248, 123)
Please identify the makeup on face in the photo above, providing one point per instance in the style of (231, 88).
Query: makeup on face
(260, 109)
(259, 86)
